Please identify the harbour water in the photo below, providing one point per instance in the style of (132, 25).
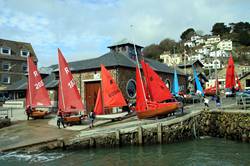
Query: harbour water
(207, 151)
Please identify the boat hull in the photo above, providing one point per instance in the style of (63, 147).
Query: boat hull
(160, 109)
(72, 119)
(38, 114)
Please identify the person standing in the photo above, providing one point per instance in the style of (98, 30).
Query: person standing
(60, 119)
(28, 112)
(91, 118)
(218, 103)
(206, 101)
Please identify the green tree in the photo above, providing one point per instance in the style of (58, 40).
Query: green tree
(220, 29)
(168, 45)
(152, 51)
(244, 38)
(186, 35)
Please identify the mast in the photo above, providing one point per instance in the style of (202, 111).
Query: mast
(60, 81)
(143, 90)
(29, 81)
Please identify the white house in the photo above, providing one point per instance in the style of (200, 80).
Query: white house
(195, 57)
(216, 63)
(225, 45)
(203, 50)
(171, 60)
(218, 53)
(189, 43)
(212, 40)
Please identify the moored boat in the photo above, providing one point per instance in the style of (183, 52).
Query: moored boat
(37, 98)
(109, 96)
(152, 105)
(69, 99)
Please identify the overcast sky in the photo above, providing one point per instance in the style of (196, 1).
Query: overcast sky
(84, 28)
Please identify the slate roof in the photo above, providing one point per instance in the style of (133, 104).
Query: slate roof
(50, 82)
(123, 42)
(111, 59)
(16, 47)
(190, 63)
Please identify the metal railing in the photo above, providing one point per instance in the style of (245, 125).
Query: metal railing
(6, 112)
(243, 102)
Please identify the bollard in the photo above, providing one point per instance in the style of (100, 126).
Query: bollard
(159, 132)
(140, 134)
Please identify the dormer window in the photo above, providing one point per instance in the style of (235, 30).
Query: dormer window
(6, 50)
(25, 53)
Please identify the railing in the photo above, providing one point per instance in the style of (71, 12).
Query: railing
(6, 112)
(243, 102)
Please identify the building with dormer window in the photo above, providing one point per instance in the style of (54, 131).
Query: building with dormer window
(13, 61)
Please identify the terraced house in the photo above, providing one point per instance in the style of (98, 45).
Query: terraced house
(13, 65)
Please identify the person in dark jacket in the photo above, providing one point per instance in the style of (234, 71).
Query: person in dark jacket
(91, 118)
(28, 112)
(60, 119)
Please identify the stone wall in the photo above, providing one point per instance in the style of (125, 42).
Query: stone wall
(4, 122)
(222, 124)
(229, 125)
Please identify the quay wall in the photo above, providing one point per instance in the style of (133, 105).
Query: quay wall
(233, 125)
(223, 124)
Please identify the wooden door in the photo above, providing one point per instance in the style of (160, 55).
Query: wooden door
(91, 91)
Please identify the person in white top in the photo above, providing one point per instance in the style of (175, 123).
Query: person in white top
(206, 101)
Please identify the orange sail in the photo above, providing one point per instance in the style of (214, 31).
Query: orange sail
(69, 99)
(112, 96)
(36, 94)
(157, 88)
(140, 99)
(98, 104)
(230, 77)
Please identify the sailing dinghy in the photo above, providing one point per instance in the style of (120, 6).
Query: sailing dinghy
(109, 96)
(151, 105)
(36, 93)
(69, 99)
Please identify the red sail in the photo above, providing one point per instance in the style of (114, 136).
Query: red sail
(230, 77)
(157, 88)
(112, 96)
(69, 99)
(36, 94)
(140, 99)
(98, 104)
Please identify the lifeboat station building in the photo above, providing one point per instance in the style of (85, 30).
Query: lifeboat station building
(121, 63)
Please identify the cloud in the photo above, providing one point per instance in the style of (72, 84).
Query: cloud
(84, 28)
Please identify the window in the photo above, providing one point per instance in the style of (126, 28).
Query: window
(6, 50)
(131, 88)
(248, 83)
(25, 53)
(6, 79)
(25, 67)
(6, 66)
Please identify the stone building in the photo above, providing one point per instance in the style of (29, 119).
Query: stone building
(121, 63)
(13, 61)
(245, 81)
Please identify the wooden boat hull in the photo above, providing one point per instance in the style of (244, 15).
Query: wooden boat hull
(38, 114)
(73, 120)
(210, 92)
(160, 109)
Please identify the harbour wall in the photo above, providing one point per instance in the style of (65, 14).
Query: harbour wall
(233, 125)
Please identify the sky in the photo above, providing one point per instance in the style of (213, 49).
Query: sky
(83, 29)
